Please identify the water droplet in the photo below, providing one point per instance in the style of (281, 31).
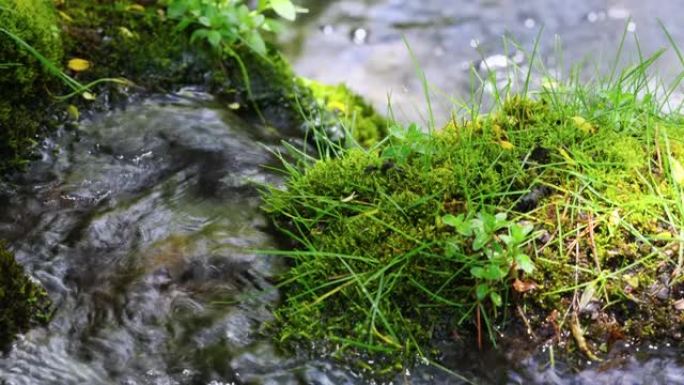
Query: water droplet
(494, 62)
(359, 36)
(618, 13)
(530, 23)
(631, 26)
(592, 17)
(327, 29)
(474, 43)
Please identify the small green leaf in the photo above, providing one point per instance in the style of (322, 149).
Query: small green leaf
(204, 21)
(256, 43)
(677, 171)
(285, 9)
(462, 226)
(453, 221)
(214, 38)
(480, 241)
(477, 272)
(481, 291)
(496, 298)
(494, 273)
(524, 263)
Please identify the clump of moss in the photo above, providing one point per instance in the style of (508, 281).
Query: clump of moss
(377, 270)
(126, 40)
(351, 111)
(23, 79)
(23, 303)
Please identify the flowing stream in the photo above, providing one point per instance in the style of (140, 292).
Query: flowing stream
(142, 223)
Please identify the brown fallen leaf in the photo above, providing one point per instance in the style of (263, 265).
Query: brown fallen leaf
(679, 304)
(524, 286)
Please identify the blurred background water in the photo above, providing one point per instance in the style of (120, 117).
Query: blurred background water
(359, 42)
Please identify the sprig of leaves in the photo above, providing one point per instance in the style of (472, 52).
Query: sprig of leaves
(494, 257)
(223, 24)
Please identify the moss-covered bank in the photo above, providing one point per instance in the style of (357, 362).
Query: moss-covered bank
(561, 215)
(141, 44)
(91, 40)
(24, 83)
(23, 303)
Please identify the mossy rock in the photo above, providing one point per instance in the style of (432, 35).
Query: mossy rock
(273, 94)
(23, 79)
(378, 269)
(23, 303)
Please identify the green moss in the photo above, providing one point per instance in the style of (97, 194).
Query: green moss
(123, 39)
(379, 271)
(294, 106)
(23, 303)
(352, 112)
(23, 80)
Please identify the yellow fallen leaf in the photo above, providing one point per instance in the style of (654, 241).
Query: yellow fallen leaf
(125, 32)
(631, 280)
(88, 96)
(64, 16)
(234, 106)
(78, 65)
(73, 112)
(566, 156)
(135, 8)
(677, 171)
(583, 125)
(506, 145)
(614, 219)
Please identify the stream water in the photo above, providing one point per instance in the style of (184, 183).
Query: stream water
(360, 43)
(141, 223)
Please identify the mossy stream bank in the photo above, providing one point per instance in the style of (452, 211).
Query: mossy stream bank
(555, 220)
(132, 50)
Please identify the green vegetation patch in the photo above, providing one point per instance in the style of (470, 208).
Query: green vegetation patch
(350, 112)
(556, 212)
(23, 80)
(23, 303)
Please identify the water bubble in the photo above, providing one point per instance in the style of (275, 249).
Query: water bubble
(327, 29)
(592, 17)
(618, 13)
(359, 36)
(530, 23)
(494, 62)
(474, 43)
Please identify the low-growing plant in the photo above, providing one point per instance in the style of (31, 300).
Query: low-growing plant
(494, 258)
(223, 24)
